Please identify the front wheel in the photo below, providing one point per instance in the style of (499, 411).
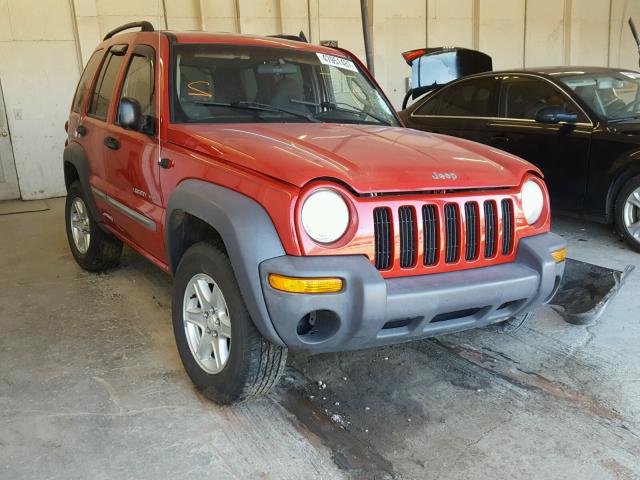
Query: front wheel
(627, 212)
(222, 351)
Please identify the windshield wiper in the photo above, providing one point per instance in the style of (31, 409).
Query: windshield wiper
(260, 107)
(338, 106)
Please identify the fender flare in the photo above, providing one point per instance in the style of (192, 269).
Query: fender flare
(75, 155)
(246, 230)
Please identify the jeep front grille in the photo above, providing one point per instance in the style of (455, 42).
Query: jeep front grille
(430, 229)
(507, 226)
(382, 228)
(490, 232)
(407, 220)
(448, 233)
(452, 235)
(471, 218)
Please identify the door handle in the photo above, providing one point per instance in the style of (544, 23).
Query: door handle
(501, 139)
(4, 134)
(112, 143)
(81, 130)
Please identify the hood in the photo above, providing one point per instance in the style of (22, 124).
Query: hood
(370, 159)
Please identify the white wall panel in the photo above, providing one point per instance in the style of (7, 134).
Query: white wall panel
(589, 33)
(38, 80)
(6, 32)
(38, 20)
(500, 20)
(220, 15)
(260, 17)
(340, 20)
(397, 27)
(295, 17)
(545, 33)
(450, 23)
(624, 52)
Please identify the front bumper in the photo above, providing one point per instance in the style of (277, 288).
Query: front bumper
(372, 311)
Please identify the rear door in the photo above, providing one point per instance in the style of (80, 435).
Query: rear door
(463, 109)
(561, 151)
(92, 127)
(131, 163)
(8, 177)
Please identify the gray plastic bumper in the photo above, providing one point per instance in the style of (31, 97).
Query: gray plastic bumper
(374, 311)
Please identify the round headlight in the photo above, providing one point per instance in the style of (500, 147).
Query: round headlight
(325, 216)
(532, 201)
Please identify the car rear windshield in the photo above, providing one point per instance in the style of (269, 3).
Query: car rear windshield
(612, 95)
(246, 84)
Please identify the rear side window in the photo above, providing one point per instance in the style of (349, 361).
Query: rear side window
(471, 98)
(85, 80)
(105, 84)
(429, 107)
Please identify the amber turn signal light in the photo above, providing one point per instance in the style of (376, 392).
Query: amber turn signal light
(559, 255)
(305, 285)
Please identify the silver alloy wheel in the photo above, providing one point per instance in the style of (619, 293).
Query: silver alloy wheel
(80, 227)
(631, 214)
(206, 323)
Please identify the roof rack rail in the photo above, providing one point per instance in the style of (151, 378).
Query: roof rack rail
(144, 27)
(301, 37)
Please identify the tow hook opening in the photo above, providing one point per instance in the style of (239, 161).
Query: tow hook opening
(317, 326)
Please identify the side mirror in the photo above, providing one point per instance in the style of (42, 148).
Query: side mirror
(130, 114)
(555, 115)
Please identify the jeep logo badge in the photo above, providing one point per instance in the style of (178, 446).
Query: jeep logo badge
(444, 176)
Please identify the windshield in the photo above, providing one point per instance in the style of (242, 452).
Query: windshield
(612, 95)
(241, 84)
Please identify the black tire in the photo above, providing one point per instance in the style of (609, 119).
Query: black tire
(104, 250)
(254, 364)
(513, 324)
(628, 188)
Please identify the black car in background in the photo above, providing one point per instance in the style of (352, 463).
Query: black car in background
(579, 125)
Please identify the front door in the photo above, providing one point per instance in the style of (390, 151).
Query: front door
(132, 158)
(8, 177)
(561, 151)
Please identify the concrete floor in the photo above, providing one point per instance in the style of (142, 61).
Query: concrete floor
(91, 386)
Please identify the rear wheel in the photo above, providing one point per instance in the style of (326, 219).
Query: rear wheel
(627, 212)
(220, 348)
(93, 248)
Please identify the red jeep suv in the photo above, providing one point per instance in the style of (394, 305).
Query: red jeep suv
(274, 181)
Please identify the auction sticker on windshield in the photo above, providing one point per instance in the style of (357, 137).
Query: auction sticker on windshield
(339, 62)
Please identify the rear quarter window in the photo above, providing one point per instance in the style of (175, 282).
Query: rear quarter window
(85, 80)
(105, 85)
(470, 98)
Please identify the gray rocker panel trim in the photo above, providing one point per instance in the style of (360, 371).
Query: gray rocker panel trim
(248, 234)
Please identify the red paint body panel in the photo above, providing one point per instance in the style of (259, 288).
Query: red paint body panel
(279, 164)
(368, 158)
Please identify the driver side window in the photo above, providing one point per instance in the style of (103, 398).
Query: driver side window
(523, 97)
(139, 82)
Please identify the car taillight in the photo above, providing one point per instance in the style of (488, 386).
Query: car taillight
(411, 55)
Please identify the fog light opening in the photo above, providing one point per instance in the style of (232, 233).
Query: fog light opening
(317, 326)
